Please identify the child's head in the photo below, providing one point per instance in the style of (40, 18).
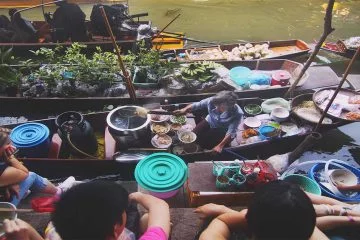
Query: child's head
(280, 210)
(93, 210)
(4, 140)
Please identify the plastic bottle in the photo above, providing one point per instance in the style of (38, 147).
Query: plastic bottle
(127, 235)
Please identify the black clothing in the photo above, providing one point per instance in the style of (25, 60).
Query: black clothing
(69, 22)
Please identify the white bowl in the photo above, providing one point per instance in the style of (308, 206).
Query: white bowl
(165, 124)
(182, 133)
(161, 118)
(252, 122)
(155, 143)
(343, 176)
(280, 114)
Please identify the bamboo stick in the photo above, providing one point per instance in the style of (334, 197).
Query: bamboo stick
(15, 210)
(338, 88)
(327, 30)
(129, 84)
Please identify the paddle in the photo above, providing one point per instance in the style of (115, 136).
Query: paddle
(15, 210)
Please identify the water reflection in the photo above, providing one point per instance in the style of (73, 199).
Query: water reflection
(342, 143)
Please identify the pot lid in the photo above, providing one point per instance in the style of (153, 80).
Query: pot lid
(29, 134)
(161, 172)
(281, 75)
(127, 118)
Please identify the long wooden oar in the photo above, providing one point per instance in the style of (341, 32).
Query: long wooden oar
(130, 86)
(347, 71)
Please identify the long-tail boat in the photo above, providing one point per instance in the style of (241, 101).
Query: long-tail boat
(111, 157)
(48, 104)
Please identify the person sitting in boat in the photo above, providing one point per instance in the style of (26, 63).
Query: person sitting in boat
(280, 210)
(220, 125)
(24, 30)
(97, 210)
(6, 31)
(68, 21)
(16, 180)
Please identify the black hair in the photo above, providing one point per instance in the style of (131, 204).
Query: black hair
(90, 210)
(281, 210)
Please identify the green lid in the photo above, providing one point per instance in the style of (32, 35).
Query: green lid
(161, 172)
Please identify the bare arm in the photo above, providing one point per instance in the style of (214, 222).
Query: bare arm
(220, 227)
(316, 199)
(318, 235)
(20, 230)
(12, 176)
(12, 161)
(159, 213)
(218, 148)
(349, 188)
(330, 222)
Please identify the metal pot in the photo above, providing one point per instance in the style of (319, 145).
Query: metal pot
(128, 128)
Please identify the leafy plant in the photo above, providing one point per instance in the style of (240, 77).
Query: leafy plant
(9, 77)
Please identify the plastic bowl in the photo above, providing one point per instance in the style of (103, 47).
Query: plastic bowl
(280, 114)
(268, 132)
(12, 215)
(252, 122)
(343, 176)
(182, 133)
(240, 76)
(165, 124)
(253, 109)
(305, 183)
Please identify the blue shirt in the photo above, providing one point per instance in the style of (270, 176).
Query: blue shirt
(229, 120)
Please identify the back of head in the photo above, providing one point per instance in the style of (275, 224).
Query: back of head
(90, 210)
(225, 97)
(280, 210)
(12, 11)
(62, 3)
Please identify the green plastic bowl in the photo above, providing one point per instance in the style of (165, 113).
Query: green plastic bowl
(305, 183)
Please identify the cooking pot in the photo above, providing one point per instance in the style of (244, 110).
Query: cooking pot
(128, 128)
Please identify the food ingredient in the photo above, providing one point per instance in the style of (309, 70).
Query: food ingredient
(163, 140)
(354, 99)
(159, 128)
(252, 109)
(249, 133)
(176, 126)
(353, 42)
(178, 119)
(354, 116)
(187, 137)
(248, 52)
(200, 71)
(206, 54)
(311, 114)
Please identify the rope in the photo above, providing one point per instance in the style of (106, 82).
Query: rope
(78, 150)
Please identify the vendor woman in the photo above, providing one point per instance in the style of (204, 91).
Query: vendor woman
(220, 125)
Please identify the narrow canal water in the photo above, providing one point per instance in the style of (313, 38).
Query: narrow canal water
(232, 20)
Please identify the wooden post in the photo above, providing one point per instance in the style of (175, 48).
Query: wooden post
(327, 30)
(130, 86)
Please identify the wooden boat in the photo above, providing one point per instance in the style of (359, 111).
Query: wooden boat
(29, 3)
(98, 123)
(23, 105)
(339, 48)
(164, 41)
(278, 49)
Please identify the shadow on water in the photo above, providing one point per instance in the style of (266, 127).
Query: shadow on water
(342, 143)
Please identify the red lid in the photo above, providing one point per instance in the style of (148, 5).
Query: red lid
(281, 75)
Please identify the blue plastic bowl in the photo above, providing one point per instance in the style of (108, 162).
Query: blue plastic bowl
(240, 75)
(327, 192)
(265, 130)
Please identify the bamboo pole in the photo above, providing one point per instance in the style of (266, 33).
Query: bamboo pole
(327, 30)
(129, 84)
(337, 89)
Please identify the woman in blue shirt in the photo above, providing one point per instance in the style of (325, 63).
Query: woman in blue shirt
(220, 125)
